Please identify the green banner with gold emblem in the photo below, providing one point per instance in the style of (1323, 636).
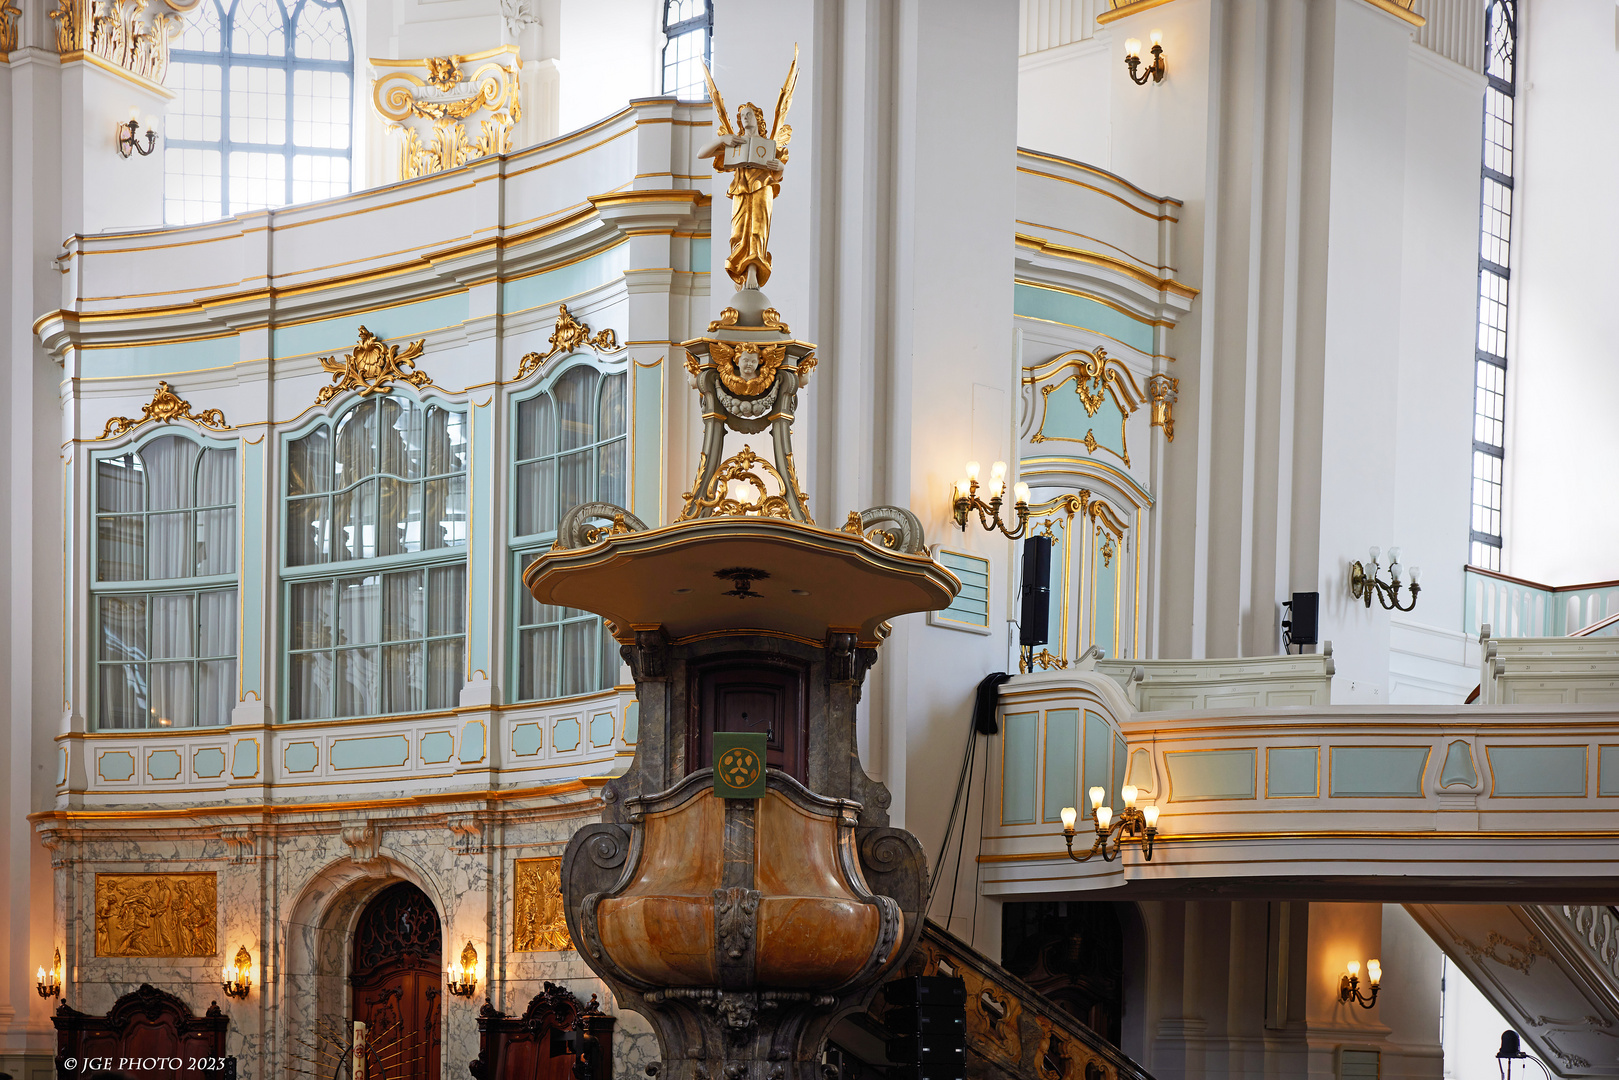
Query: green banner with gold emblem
(739, 764)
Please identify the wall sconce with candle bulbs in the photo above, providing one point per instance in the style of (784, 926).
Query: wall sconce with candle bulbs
(1364, 582)
(237, 977)
(464, 979)
(989, 513)
(1132, 826)
(1132, 60)
(49, 983)
(1349, 983)
(129, 140)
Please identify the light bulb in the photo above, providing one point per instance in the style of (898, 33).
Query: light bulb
(1394, 554)
(41, 975)
(1354, 968)
(972, 470)
(1375, 551)
(1128, 794)
(997, 486)
(962, 487)
(1395, 571)
(1069, 816)
(1132, 47)
(227, 973)
(1097, 795)
(1157, 38)
(151, 122)
(1020, 492)
(1374, 972)
(997, 470)
(1416, 574)
(134, 112)
(1151, 814)
(1104, 816)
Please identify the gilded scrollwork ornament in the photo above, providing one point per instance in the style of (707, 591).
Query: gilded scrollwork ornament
(433, 101)
(1164, 390)
(373, 367)
(165, 407)
(569, 336)
(10, 14)
(120, 32)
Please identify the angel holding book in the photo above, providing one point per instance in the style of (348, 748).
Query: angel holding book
(755, 162)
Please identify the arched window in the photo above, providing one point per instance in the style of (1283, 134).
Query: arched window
(688, 29)
(164, 595)
(376, 562)
(571, 449)
(262, 108)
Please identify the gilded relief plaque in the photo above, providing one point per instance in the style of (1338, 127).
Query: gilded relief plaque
(156, 915)
(537, 921)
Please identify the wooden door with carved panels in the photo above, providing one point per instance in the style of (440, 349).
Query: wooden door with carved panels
(398, 983)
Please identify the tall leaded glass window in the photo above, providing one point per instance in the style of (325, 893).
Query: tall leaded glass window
(571, 449)
(376, 561)
(164, 596)
(1494, 278)
(262, 108)
(688, 28)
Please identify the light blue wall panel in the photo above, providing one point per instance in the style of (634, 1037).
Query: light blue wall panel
(163, 764)
(632, 722)
(300, 757)
(1033, 302)
(1105, 594)
(1210, 774)
(1608, 770)
(1292, 771)
(244, 760)
(971, 605)
(1378, 771)
(548, 287)
(702, 255)
(647, 445)
(482, 539)
(601, 729)
(115, 766)
(1060, 784)
(1098, 742)
(338, 335)
(1018, 781)
(171, 359)
(437, 747)
(474, 739)
(208, 763)
(1065, 418)
(1120, 757)
(526, 740)
(250, 602)
(381, 751)
(1536, 770)
(1458, 767)
(565, 734)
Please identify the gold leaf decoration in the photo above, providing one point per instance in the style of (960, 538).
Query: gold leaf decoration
(538, 924)
(152, 915)
(119, 32)
(433, 114)
(372, 368)
(747, 369)
(9, 14)
(569, 336)
(165, 407)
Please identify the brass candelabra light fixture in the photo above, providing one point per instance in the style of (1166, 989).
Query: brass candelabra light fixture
(464, 979)
(1349, 983)
(989, 513)
(1364, 582)
(1132, 826)
(1132, 60)
(49, 983)
(129, 138)
(236, 979)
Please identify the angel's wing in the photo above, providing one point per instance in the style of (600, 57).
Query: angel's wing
(719, 103)
(780, 132)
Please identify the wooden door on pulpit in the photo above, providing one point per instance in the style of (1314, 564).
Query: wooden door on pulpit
(398, 983)
(764, 694)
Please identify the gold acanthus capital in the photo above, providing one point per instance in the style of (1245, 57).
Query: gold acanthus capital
(432, 100)
(1164, 391)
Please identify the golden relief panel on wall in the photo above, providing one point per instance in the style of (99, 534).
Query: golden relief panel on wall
(432, 103)
(538, 924)
(151, 915)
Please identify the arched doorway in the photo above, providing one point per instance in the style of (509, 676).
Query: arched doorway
(397, 979)
(1073, 953)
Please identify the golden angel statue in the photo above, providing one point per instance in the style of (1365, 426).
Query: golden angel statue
(755, 162)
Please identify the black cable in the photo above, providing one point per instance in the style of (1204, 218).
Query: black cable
(950, 823)
(961, 842)
(978, 865)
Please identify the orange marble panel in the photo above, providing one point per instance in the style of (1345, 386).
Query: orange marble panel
(682, 851)
(665, 940)
(796, 852)
(812, 941)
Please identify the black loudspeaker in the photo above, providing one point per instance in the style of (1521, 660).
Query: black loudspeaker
(928, 1021)
(1302, 626)
(1036, 608)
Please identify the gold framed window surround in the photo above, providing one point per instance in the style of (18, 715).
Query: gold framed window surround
(445, 111)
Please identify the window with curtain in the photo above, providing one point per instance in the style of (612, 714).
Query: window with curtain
(571, 449)
(164, 596)
(262, 108)
(688, 27)
(376, 561)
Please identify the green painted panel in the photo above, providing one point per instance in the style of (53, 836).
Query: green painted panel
(61, 765)
(377, 752)
(251, 593)
(548, 287)
(1066, 420)
(1033, 302)
(1378, 771)
(244, 761)
(486, 464)
(1458, 768)
(163, 765)
(565, 734)
(1018, 780)
(331, 336)
(1120, 759)
(300, 757)
(437, 747)
(1537, 770)
(1061, 781)
(1098, 741)
(1210, 774)
(474, 737)
(1607, 770)
(601, 729)
(179, 356)
(1105, 594)
(208, 763)
(702, 254)
(1359, 1064)
(632, 721)
(647, 446)
(1141, 769)
(1291, 771)
(526, 740)
(971, 605)
(115, 765)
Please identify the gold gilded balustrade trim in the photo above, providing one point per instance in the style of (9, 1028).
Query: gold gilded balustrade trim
(120, 33)
(433, 113)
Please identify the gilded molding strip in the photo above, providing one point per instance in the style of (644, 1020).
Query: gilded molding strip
(1093, 370)
(447, 98)
(538, 924)
(1125, 8)
(372, 367)
(152, 915)
(569, 336)
(165, 407)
